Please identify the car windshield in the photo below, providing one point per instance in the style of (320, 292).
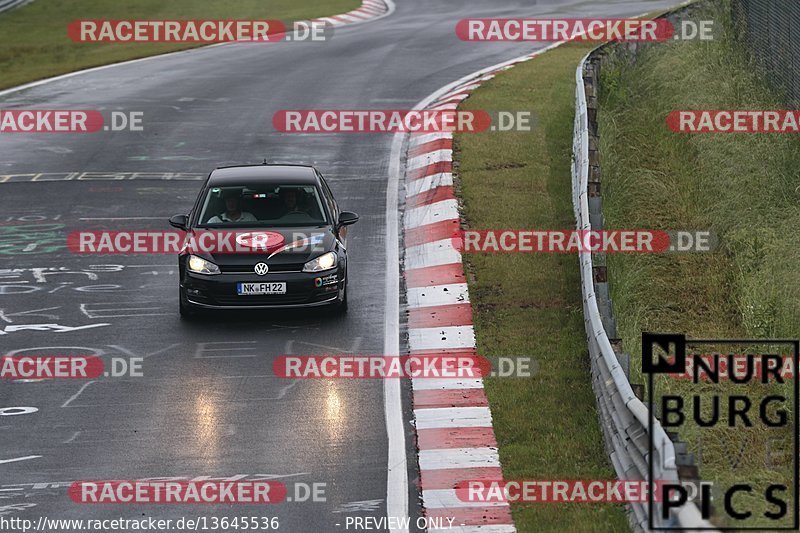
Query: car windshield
(253, 206)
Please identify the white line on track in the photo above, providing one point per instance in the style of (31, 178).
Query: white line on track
(27, 457)
(75, 396)
(397, 478)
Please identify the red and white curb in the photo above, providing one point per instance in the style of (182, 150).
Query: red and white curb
(369, 10)
(455, 438)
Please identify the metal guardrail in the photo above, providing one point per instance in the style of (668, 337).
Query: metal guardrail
(6, 5)
(624, 418)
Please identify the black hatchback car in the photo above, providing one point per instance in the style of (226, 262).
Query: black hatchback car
(264, 237)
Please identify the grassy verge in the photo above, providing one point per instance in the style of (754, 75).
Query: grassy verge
(35, 43)
(528, 304)
(745, 188)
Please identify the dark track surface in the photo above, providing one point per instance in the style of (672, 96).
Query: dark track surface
(208, 404)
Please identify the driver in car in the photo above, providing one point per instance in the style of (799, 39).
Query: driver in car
(233, 211)
(292, 200)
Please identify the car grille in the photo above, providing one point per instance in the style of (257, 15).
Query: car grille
(282, 299)
(249, 269)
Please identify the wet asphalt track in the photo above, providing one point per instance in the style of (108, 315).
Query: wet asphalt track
(208, 404)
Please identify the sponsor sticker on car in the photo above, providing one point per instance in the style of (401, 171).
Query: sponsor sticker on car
(331, 279)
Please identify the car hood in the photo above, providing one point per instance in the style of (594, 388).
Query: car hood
(288, 247)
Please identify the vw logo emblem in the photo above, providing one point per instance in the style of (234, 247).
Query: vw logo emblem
(261, 269)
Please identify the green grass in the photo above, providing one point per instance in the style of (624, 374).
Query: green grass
(745, 188)
(35, 45)
(530, 304)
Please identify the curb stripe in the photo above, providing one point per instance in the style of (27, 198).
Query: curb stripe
(371, 10)
(436, 168)
(450, 458)
(446, 106)
(422, 384)
(440, 316)
(448, 499)
(431, 146)
(433, 399)
(438, 231)
(445, 351)
(431, 196)
(450, 477)
(455, 98)
(344, 18)
(428, 214)
(434, 253)
(419, 137)
(429, 158)
(455, 417)
(476, 516)
(429, 182)
(492, 528)
(436, 295)
(475, 437)
(437, 275)
(448, 337)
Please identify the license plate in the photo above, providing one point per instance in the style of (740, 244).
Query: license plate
(254, 289)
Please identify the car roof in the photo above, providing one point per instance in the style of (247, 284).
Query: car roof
(259, 174)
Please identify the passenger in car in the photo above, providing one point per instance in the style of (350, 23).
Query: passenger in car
(233, 210)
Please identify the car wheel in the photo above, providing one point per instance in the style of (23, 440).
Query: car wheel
(187, 310)
(341, 305)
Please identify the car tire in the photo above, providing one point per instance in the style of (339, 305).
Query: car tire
(340, 307)
(187, 310)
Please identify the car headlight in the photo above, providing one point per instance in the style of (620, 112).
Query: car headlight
(323, 262)
(201, 266)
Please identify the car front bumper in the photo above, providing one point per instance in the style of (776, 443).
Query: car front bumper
(302, 290)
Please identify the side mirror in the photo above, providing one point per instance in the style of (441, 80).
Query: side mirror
(346, 218)
(179, 221)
